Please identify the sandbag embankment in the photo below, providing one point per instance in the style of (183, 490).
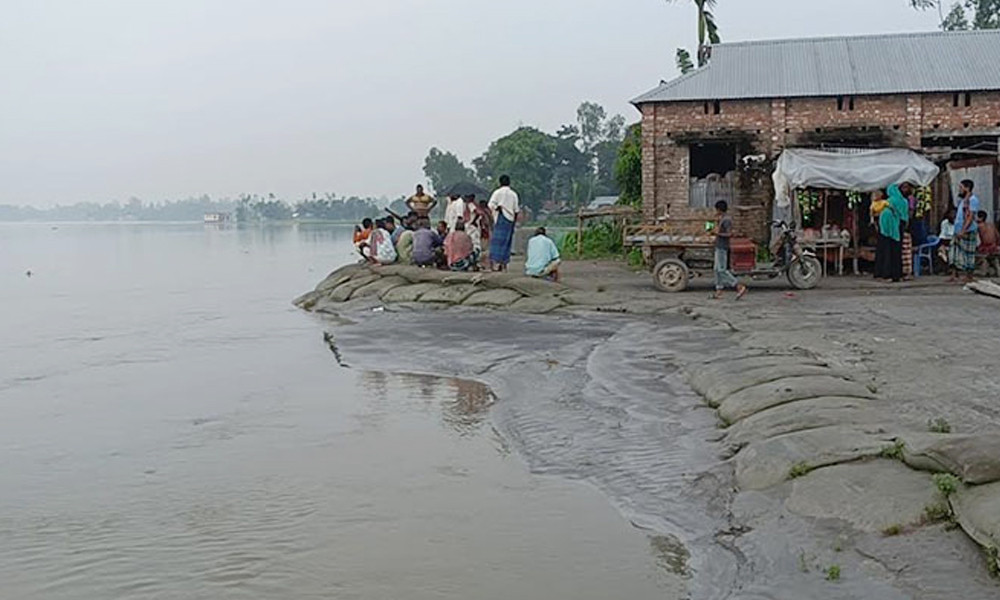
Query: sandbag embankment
(826, 442)
(407, 284)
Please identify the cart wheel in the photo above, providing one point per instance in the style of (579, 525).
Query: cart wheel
(804, 273)
(670, 275)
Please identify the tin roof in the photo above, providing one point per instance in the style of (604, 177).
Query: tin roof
(842, 66)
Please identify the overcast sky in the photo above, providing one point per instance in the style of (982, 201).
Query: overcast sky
(106, 99)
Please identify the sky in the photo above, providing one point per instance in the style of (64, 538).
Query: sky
(104, 100)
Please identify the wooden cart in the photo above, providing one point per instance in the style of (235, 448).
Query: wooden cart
(676, 258)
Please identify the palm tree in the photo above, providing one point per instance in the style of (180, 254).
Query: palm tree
(708, 33)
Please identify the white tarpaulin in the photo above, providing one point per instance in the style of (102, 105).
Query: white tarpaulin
(859, 170)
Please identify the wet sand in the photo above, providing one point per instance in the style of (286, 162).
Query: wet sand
(605, 398)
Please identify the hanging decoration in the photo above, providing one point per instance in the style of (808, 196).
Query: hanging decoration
(925, 201)
(853, 199)
(809, 201)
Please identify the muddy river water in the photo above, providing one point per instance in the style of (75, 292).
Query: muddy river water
(173, 428)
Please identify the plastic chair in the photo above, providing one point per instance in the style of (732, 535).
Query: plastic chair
(925, 251)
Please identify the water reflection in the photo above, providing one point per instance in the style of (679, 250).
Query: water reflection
(466, 413)
(463, 403)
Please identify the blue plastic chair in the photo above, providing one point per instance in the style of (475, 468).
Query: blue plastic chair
(925, 251)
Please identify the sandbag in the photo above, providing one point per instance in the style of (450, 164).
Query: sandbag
(537, 304)
(769, 462)
(973, 458)
(499, 297)
(871, 495)
(702, 377)
(379, 287)
(977, 510)
(341, 276)
(408, 293)
(804, 414)
(529, 286)
(752, 400)
(728, 385)
(344, 291)
(308, 300)
(450, 294)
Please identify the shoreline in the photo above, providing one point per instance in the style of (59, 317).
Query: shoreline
(776, 530)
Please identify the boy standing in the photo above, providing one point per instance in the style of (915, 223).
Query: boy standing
(989, 244)
(723, 232)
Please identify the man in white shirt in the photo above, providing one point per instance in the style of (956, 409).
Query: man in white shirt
(454, 212)
(504, 204)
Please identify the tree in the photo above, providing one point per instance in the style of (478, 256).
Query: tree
(529, 157)
(683, 60)
(444, 170)
(708, 33)
(628, 167)
(572, 170)
(963, 15)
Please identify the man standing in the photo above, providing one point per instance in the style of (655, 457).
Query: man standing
(505, 205)
(723, 232)
(421, 203)
(543, 257)
(454, 211)
(966, 240)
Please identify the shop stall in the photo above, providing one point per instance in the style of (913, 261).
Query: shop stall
(828, 193)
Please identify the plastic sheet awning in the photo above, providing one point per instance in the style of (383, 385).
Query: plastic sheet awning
(861, 170)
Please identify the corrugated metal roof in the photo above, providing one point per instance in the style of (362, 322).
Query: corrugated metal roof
(842, 66)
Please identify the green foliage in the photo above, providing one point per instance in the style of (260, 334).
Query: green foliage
(935, 513)
(892, 530)
(799, 470)
(528, 156)
(628, 167)
(600, 240)
(189, 209)
(444, 170)
(992, 556)
(946, 483)
(964, 14)
(833, 573)
(635, 258)
(684, 62)
(893, 452)
(708, 32)
(331, 208)
(938, 425)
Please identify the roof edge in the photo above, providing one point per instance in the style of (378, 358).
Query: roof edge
(868, 36)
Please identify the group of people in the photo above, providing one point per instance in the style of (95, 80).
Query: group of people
(473, 235)
(965, 236)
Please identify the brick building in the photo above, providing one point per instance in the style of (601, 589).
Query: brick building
(715, 133)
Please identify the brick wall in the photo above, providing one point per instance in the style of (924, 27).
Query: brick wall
(768, 126)
(940, 114)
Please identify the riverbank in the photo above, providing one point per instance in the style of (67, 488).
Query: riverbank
(784, 475)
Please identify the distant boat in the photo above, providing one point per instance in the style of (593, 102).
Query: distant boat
(216, 218)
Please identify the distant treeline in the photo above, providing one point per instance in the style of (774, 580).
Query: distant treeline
(248, 208)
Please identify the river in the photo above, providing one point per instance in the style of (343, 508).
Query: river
(173, 428)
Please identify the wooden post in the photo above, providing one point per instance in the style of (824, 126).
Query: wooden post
(579, 235)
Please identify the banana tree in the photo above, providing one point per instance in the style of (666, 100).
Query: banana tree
(708, 33)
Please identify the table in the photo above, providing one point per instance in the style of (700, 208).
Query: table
(836, 243)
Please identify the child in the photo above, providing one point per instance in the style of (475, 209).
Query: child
(989, 244)
(946, 233)
(723, 232)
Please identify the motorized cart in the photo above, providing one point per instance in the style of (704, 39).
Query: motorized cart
(675, 259)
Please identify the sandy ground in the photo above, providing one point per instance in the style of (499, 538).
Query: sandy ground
(603, 398)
